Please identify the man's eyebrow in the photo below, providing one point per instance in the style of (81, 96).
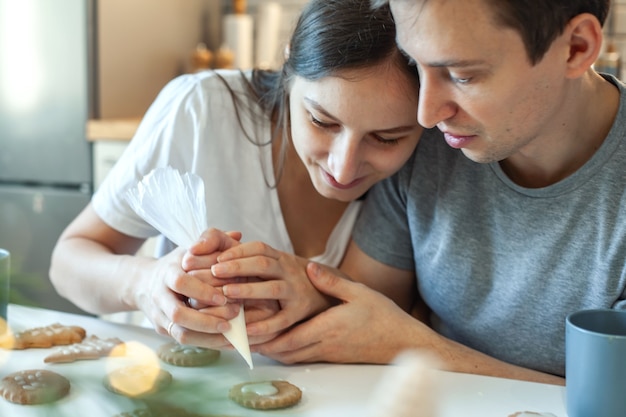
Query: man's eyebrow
(459, 63)
(455, 63)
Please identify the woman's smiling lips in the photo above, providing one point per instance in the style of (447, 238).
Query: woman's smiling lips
(331, 180)
(457, 142)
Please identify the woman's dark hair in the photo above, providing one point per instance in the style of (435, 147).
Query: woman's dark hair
(329, 37)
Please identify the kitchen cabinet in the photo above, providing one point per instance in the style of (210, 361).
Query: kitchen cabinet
(110, 138)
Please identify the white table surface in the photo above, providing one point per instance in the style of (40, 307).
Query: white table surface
(328, 389)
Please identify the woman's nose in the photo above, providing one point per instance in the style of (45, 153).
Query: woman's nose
(343, 158)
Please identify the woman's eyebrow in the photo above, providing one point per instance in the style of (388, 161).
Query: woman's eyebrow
(398, 129)
(319, 107)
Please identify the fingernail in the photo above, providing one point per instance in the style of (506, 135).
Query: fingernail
(223, 327)
(217, 269)
(231, 290)
(314, 270)
(219, 299)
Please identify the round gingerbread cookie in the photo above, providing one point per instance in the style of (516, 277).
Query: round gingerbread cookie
(34, 386)
(265, 395)
(137, 381)
(186, 355)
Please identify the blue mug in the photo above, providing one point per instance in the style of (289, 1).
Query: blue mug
(595, 363)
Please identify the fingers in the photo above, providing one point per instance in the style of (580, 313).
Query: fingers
(331, 283)
(194, 286)
(301, 344)
(272, 325)
(235, 235)
(270, 290)
(214, 240)
(203, 254)
(207, 320)
(247, 250)
(190, 337)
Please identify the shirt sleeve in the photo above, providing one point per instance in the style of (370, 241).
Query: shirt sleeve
(382, 229)
(167, 129)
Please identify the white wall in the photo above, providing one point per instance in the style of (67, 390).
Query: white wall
(142, 45)
(145, 43)
(615, 28)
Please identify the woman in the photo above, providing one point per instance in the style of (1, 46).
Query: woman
(284, 157)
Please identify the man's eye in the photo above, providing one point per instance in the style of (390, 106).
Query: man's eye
(461, 80)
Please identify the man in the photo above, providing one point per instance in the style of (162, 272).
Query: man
(509, 224)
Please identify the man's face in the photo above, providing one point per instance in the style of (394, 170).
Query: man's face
(477, 83)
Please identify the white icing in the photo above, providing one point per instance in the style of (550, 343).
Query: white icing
(238, 337)
(260, 388)
(30, 381)
(187, 349)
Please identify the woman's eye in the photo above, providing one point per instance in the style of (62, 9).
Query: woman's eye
(319, 123)
(386, 141)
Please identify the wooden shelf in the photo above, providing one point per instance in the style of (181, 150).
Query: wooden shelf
(112, 129)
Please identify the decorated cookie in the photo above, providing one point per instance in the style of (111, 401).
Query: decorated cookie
(90, 348)
(44, 337)
(137, 380)
(185, 355)
(34, 386)
(265, 395)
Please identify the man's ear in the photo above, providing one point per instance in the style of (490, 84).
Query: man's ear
(584, 34)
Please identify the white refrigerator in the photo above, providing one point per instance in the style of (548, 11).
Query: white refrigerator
(47, 79)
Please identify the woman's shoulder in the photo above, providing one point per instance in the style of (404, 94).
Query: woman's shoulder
(205, 93)
(221, 80)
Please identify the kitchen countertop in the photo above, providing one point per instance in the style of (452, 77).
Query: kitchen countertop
(328, 389)
(112, 129)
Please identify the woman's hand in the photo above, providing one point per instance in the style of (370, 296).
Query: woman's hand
(171, 281)
(274, 275)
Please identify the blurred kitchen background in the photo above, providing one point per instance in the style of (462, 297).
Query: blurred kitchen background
(76, 76)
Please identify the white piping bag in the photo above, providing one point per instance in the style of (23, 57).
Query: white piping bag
(174, 204)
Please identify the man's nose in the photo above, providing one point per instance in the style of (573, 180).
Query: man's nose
(435, 104)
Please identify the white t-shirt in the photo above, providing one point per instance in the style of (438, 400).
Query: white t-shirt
(193, 127)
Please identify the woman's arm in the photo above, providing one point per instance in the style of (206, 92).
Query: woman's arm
(95, 267)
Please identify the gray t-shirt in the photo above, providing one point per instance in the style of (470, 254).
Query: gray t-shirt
(501, 265)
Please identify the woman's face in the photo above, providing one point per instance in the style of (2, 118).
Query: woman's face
(354, 129)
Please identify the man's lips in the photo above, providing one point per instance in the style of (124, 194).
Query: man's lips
(331, 180)
(456, 141)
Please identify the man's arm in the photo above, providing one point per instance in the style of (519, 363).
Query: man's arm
(398, 285)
